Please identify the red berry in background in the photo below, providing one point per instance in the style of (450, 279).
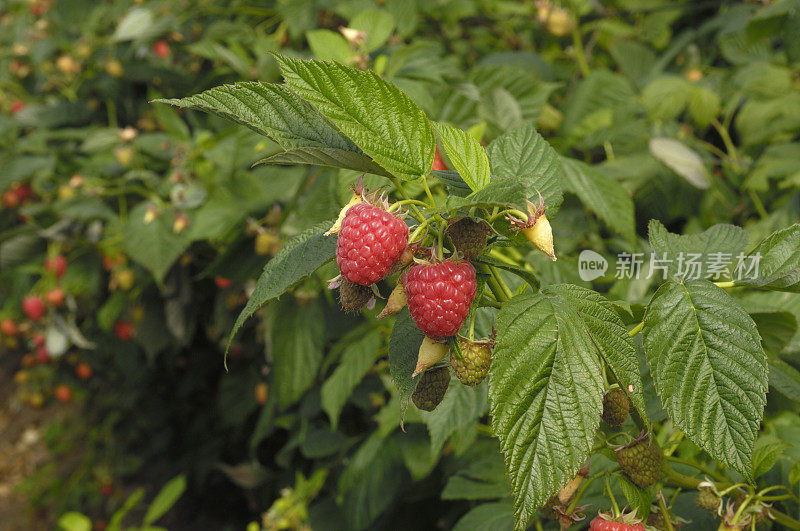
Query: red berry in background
(63, 393)
(438, 161)
(10, 199)
(100, 525)
(55, 297)
(602, 522)
(370, 241)
(83, 370)
(28, 360)
(124, 330)
(38, 340)
(16, 106)
(439, 296)
(23, 192)
(42, 356)
(57, 265)
(33, 307)
(222, 282)
(8, 328)
(106, 489)
(161, 48)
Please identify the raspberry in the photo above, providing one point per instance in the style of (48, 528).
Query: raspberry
(57, 265)
(708, 500)
(640, 461)
(439, 296)
(33, 307)
(353, 296)
(431, 388)
(370, 241)
(616, 407)
(468, 236)
(476, 358)
(624, 522)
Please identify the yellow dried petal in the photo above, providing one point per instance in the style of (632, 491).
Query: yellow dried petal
(541, 235)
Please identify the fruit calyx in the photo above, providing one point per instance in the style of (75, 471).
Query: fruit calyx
(536, 227)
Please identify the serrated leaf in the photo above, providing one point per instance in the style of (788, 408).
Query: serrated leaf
(611, 339)
(603, 195)
(154, 245)
(496, 516)
(682, 160)
(638, 499)
(375, 114)
(356, 361)
(695, 256)
(404, 346)
(502, 193)
(300, 257)
(779, 262)
(271, 110)
(296, 349)
(545, 392)
(461, 405)
(767, 451)
(525, 156)
(455, 184)
(709, 368)
(466, 154)
(784, 378)
(322, 156)
(327, 45)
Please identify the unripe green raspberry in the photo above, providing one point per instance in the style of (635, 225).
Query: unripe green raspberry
(640, 461)
(353, 296)
(708, 500)
(469, 236)
(431, 388)
(616, 407)
(473, 365)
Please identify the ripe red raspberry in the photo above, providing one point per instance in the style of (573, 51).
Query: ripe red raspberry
(33, 307)
(602, 523)
(439, 296)
(56, 264)
(370, 241)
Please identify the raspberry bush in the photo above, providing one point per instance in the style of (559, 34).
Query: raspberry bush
(399, 315)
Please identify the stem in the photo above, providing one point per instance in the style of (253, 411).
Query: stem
(611, 496)
(729, 147)
(698, 466)
(581, 490)
(579, 53)
(414, 210)
(757, 203)
(486, 301)
(421, 226)
(664, 511)
(399, 204)
(785, 520)
(472, 325)
(499, 280)
(428, 192)
(728, 284)
(636, 329)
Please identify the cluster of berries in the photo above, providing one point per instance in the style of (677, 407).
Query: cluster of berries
(373, 243)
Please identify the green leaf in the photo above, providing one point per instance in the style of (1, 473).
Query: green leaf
(784, 378)
(501, 193)
(356, 361)
(154, 245)
(301, 256)
(376, 24)
(666, 97)
(709, 368)
(776, 328)
(598, 91)
(601, 194)
(375, 114)
(767, 451)
(466, 154)
(74, 521)
(704, 105)
(327, 45)
(115, 524)
(165, 499)
(638, 499)
(525, 156)
(461, 405)
(545, 392)
(404, 346)
(695, 256)
(323, 156)
(496, 516)
(682, 160)
(297, 344)
(455, 184)
(271, 110)
(484, 478)
(611, 339)
(778, 262)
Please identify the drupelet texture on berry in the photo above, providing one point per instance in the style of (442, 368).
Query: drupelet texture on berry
(473, 364)
(439, 296)
(370, 241)
(431, 388)
(641, 462)
(616, 407)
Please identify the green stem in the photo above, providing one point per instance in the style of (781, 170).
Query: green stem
(577, 498)
(663, 507)
(500, 282)
(486, 301)
(636, 329)
(428, 192)
(494, 286)
(579, 53)
(421, 226)
(702, 468)
(729, 146)
(611, 496)
(414, 210)
(404, 202)
(757, 203)
(785, 520)
(728, 284)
